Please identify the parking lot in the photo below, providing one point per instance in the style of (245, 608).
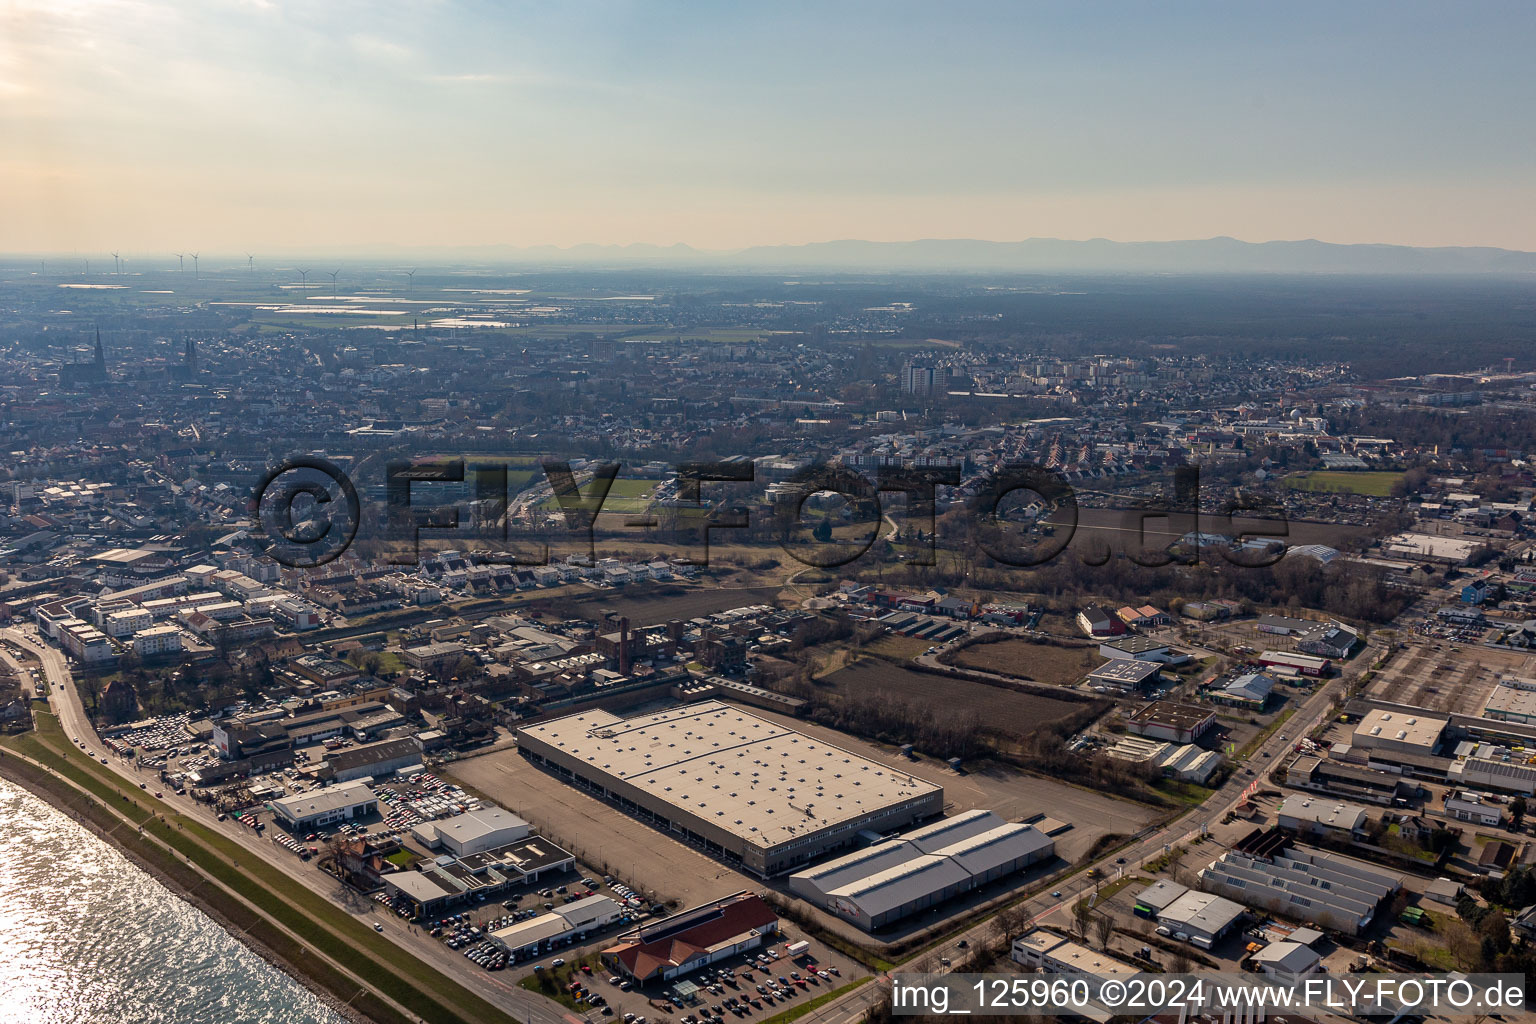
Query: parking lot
(758, 983)
(1444, 676)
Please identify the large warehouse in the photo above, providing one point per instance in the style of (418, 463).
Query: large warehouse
(890, 880)
(749, 790)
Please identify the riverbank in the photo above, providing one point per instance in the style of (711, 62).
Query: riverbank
(18, 773)
(314, 940)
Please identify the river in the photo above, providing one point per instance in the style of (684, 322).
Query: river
(86, 937)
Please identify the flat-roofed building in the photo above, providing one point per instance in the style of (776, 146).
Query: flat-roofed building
(372, 759)
(1399, 731)
(1052, 953)
(306, 812)
(1172, 721)
(1308, 771)
(1304, 664)
(156, 640)
(753, 792)
(1511, 703)
(1124, 675)
(1474, 807)
(1201, 917)
(1139, 648)
(1321, 815)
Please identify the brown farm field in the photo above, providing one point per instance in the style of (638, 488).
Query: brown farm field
(1054, 663)
(646, 605)
(1009, 713)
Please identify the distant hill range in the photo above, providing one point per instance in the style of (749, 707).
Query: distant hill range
(1096, 255)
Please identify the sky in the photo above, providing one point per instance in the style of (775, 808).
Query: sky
(238, 125)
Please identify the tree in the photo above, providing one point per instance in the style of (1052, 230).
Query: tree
(1104, 930)
(1462, 943)
(1517, 809)
(1081, 915)
(1494, 928)
(1179, 962)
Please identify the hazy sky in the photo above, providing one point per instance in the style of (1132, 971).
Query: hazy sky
(152, 126)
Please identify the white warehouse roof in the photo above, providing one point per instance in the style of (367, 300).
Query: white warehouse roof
(954, 854)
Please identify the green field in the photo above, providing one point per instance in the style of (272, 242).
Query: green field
(1375, 483)
(625, 497)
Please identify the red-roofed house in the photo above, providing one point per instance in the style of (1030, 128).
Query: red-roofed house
(694, 938)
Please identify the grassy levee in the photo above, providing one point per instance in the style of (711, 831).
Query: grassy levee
(412, 984)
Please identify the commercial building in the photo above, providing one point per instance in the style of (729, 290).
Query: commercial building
(1200, 918)
(1096, 622)
(1319, 816)
(1284, 625)
(921, 868)
(1308, 771)
(1250, 690)
(1305, 664)
(1139, 648)
(1513, 700)
(1399, 732)
(1486, 773)
(1050, 953)
(694, 938)
(1332, 640)
(485, 828)
(1169, 720)
(753, 792)
(1187, 762)
(318, 808)
(1124, 675)
(372, 760)
(1474, 807)
(1325, 889)
(1287, 962)
(569, 923)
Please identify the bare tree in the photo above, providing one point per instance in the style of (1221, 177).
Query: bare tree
(1104, 930)
(1081, 915)
(1179, 962)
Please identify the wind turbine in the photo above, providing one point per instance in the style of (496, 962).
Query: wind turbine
(87, 265)
(250, 262)
(333, 281)
(116, 269)
(181, 261)
(198, 274)
(411, 277)
(304, 277)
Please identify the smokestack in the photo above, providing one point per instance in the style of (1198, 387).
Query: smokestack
(624, 653)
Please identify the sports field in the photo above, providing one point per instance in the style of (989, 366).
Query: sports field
(1377, 484)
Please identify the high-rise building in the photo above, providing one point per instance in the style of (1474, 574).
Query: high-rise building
(921, 379)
